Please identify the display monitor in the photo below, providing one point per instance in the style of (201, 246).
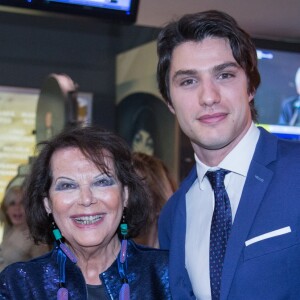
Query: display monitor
(278, 97)
(120, 11)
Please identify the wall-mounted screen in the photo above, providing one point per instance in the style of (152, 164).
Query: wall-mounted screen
(278, 97)
(122, 11)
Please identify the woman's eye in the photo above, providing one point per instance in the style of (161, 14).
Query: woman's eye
(137, 138)
(62, 186)
(105, 181)
(150, 143)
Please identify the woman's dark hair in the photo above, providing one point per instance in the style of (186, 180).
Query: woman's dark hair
(158, 182)
(94, 143)
(196, 27)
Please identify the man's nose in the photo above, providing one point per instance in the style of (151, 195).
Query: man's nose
(209, 93)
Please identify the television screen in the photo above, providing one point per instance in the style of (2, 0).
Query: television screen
(123, 11)
(122, 5)
(278, 97)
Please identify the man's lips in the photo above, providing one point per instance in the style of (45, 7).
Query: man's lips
(212, 118)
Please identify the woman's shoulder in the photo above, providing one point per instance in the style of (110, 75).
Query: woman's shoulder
(149, 266)
(143, 248)
(147, 253)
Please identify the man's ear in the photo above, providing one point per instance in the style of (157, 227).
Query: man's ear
(125, 195)
(251, 96)
(47, 205)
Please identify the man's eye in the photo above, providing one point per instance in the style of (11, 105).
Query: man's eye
(226, 76)
(187, 82)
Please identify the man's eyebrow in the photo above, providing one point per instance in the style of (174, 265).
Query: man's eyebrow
(189, 72)
(193, 72)
(223, 66)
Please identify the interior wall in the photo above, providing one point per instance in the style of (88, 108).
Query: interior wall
(33, 46)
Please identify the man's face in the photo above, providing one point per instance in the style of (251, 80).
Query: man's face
(209, 97)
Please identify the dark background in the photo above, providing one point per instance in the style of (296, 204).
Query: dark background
(32, 47)
(85, 48)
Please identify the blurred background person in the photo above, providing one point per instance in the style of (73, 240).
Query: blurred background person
(84, 194)
(290, 109)
(160, 185)
(16, 243)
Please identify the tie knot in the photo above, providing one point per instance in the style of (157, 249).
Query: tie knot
(216, 178)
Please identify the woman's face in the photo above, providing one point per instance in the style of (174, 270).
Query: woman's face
(86, 203)
(15, 209)
(143, 142)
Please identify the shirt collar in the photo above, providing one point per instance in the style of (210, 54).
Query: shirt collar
(238, 160)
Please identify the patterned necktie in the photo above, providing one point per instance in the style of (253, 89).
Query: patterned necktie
(220, 230)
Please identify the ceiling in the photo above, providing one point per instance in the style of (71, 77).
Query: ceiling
(271, 19)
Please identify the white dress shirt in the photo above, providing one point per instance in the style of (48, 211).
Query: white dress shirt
(200, 206)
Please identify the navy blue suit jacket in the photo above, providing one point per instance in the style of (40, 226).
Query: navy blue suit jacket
(269, 268)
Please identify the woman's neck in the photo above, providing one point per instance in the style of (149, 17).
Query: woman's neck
(18, 227)
(95, 260)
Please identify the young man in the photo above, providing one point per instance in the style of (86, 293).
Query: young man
(239, 239)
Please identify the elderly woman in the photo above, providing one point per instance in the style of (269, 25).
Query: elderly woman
(84, 194)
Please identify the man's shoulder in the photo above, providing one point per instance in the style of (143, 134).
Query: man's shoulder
(188, 181)
(289, 149)
(179, 194)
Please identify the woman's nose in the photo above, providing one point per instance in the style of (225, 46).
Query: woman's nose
(86, 197)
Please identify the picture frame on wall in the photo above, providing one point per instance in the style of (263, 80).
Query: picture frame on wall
(143, 118)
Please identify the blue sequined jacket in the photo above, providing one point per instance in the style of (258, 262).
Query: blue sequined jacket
(147, 273)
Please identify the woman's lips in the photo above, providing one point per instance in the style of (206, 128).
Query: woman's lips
(88, 220)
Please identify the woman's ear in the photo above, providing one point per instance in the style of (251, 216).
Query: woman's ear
(125, 195)
(47, 205)
(171, 108)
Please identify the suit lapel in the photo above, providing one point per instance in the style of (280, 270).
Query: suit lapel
(177, 255)
(257, 182)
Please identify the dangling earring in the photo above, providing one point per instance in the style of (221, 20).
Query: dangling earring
(123, 225)
(122, 263)
(59, 239)
(63, 253)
